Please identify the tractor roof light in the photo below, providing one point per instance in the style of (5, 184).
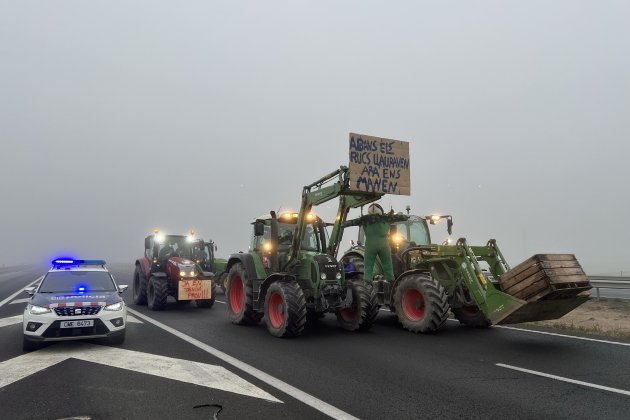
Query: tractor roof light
(434, 218)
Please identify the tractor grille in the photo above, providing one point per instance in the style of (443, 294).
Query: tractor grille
(78, 311)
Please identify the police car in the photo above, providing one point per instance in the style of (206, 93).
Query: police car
(76, 299)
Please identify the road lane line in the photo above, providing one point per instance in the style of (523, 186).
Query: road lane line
(576, 337)
(12, 320)
(133, 319)
(618, 343)
(10, 298)
(290, 390)
(563, 379)
(20, 301)
(220, 301)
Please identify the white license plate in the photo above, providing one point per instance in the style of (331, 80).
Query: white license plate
(77, 324)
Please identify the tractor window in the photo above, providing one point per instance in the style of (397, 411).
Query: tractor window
(413, 232)
(310, 241)
(257, 241)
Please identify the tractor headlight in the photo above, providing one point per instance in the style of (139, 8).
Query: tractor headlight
(323, 276)
(192, 274)
(37, 310)
(115, 307)
(182, 273)
(338, 276)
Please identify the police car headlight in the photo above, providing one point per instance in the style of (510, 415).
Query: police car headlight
(115, 307)
(338, 276)
(37, 310)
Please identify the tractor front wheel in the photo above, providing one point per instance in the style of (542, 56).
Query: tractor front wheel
(139, 287)
(207, 303)
(285, 309)
(157, 293)
(364, 307)
(471, 316)
(421, 303)
(240, 297)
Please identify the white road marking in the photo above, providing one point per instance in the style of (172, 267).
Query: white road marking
(290, 390)
(563, 379)
(220, 301)
(576, 337)
(133, 319)
(10, 298)
(20, 301)
(564, 335)
(12, 320)
(186, 371)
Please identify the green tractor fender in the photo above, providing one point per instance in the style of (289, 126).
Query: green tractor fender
(275, 277)
(247, 260)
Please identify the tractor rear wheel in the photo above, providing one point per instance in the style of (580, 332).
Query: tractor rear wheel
(139, 287)
(240, 297)
(421, 303)
(285, 309)
(471, 316)
(157, 293)
(207, 303)
(364, 307)
(223, 280)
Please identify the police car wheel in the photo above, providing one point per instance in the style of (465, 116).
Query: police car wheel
(28, 345)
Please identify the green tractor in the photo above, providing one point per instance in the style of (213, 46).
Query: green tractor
(290, 272)
(431, 279)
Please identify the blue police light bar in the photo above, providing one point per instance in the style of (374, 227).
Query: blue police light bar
(66, 262)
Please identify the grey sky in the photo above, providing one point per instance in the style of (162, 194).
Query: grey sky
(120, 116)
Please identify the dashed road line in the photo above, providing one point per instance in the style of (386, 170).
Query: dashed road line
(290, 390)
(563, 379)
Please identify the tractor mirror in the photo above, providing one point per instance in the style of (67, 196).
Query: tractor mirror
(259, 228)
(449, 226)
(147, 243)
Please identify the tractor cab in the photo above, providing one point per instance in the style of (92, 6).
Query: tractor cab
(158, 247)
(405, 234)
(203, 254)
(315, 236)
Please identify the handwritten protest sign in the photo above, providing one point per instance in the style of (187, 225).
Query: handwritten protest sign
(194, 289)
(379, 165)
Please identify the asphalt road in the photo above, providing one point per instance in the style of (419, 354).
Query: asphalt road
(385, 373)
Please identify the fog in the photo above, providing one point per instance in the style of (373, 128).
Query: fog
(118, 117)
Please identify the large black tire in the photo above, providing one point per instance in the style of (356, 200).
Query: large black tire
(285, 309)
(117, 340)
(157, 293)
(240, 297)
(421, 303)
(207, 303)
(28, 345)
(364, 308)
(139, 287)
(223, 280)
(471, 316)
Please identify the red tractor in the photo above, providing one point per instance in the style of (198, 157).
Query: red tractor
(169, 267)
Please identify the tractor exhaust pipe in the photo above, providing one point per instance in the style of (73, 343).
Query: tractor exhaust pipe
(273, 255)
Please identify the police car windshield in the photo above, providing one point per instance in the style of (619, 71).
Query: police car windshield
(77, 282)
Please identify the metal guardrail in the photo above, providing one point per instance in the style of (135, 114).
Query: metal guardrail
(609, 282)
